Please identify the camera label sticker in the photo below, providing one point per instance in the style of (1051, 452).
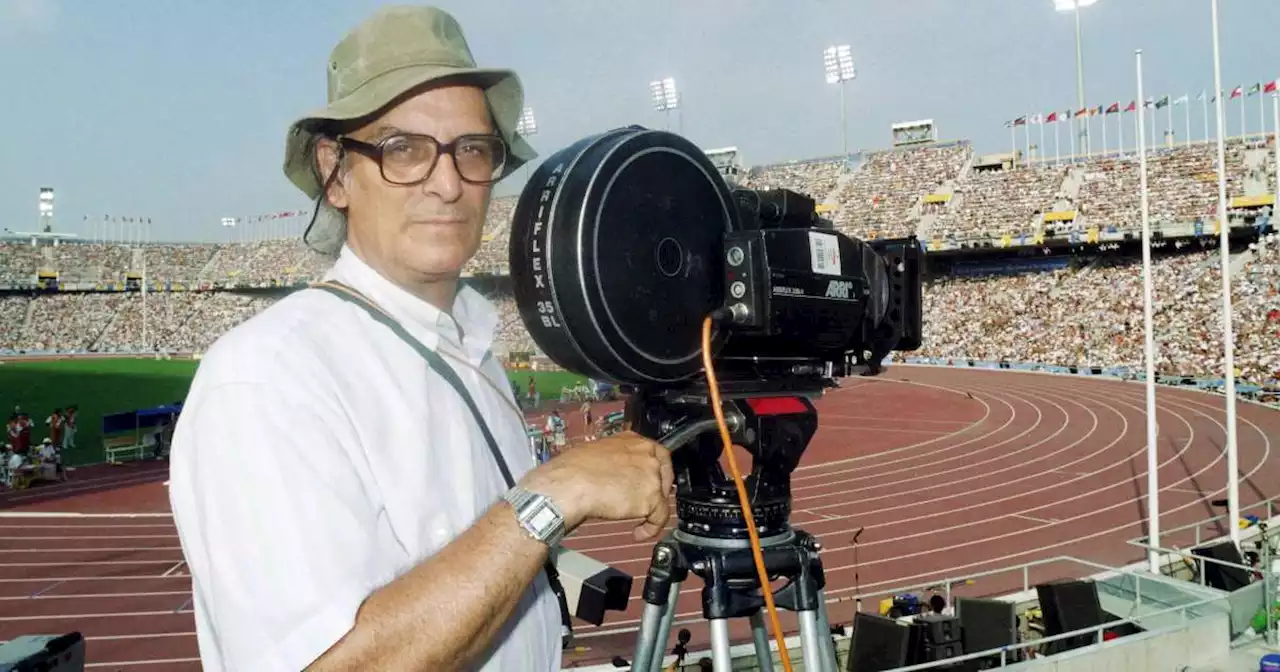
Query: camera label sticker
(824, 251)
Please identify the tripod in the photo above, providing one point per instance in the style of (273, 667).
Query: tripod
(712, 543)
(731, 590)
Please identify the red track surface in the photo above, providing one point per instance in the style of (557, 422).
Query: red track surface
(949, 471)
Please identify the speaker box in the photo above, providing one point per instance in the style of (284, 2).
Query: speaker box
(939, 629)
(986, 625)
(1219, 576)
(878, 644)
(1068, 606)
(934, 637)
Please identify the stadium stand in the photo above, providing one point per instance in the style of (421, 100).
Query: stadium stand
(1085, 313)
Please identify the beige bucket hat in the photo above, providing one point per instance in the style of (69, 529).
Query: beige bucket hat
(397, 50)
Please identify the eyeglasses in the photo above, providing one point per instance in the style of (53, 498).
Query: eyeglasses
(408, 159)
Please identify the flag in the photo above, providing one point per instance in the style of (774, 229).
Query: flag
(1270, 88)
(1053, 116)
(1256, 88)
(1201, 96)
(1237, 92)
(1115, 107)
(1082, 111)
(1182, 101)
(1162, 103)
(1020, 121)
(1133, 106)
(1095, 111)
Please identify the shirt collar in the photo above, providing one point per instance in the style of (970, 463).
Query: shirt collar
(470, 329)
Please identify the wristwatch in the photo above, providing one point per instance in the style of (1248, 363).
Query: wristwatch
(537, 514)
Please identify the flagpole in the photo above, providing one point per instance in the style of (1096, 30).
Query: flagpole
(1262, 112)
(1204, 99)
(1013, 142)
(1057, 147)
(1228, 337)
(1148, 347)
(1120, 128)
(1072, 137)
(1244, 128)
(1040, 149)
(1188, 114)
(1275, 109)
(1171, 142)
(1104, 133)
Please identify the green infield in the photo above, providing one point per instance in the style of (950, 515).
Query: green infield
(105, 386)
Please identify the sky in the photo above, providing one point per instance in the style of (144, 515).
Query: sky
(176, 111)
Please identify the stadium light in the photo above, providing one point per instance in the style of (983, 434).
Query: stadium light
(46, 210)
(1228, 333)
(527, 125)
(1074, 6)
(838, 61)
(665, 97)
(1148, 345)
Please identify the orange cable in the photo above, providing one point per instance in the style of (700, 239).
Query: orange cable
(747, 514)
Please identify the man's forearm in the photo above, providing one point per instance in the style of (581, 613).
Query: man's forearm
(447, 610)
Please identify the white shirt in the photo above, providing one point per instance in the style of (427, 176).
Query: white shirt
(317, 458)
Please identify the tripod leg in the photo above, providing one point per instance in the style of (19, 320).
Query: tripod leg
(721, 658)
(648, 647)
(810, 640)
(824, 634)
(664, 629)
(764, 655)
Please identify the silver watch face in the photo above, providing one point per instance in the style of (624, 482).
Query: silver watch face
(543, 518)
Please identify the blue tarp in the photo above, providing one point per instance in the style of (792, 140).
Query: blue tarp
(143, 418)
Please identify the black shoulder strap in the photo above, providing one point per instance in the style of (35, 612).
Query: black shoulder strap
(436, 363)
(433, 359)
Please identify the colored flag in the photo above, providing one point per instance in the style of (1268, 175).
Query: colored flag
(1237, 92)
(1162, 103)
(1115, 107)
(1133, 106)
(1255, 89)
(1270, 87)
(1082, 111)
(1020, 121)
(1053, 116)
(1095, 111)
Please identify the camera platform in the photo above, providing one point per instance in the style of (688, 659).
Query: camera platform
(731, 589)
(711, 540)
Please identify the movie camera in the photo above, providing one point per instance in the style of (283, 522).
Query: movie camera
(622, 246)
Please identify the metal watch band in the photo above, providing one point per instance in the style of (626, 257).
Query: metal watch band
(537, 514)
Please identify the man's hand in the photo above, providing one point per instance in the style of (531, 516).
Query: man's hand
(619, 477)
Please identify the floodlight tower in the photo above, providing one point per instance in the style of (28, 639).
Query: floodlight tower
(229, 223)
(526, 126)
(46, 210)
(665, 97)
(1074, 7)
(839, 65)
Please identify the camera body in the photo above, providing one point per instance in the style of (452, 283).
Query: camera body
(795, 286)
(624, 242)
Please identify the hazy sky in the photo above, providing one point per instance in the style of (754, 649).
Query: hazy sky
(176, 110)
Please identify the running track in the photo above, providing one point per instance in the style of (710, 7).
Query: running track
(949, 471)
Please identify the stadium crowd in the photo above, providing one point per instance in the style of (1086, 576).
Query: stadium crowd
(1078, 316)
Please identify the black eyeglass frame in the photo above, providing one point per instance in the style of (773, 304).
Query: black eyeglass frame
(375, 151)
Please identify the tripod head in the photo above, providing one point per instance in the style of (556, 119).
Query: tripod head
(773, 426)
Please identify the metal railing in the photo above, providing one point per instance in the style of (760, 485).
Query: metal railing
(1270, 505)
(1096, 632)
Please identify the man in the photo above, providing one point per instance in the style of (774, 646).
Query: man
(375, 531)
